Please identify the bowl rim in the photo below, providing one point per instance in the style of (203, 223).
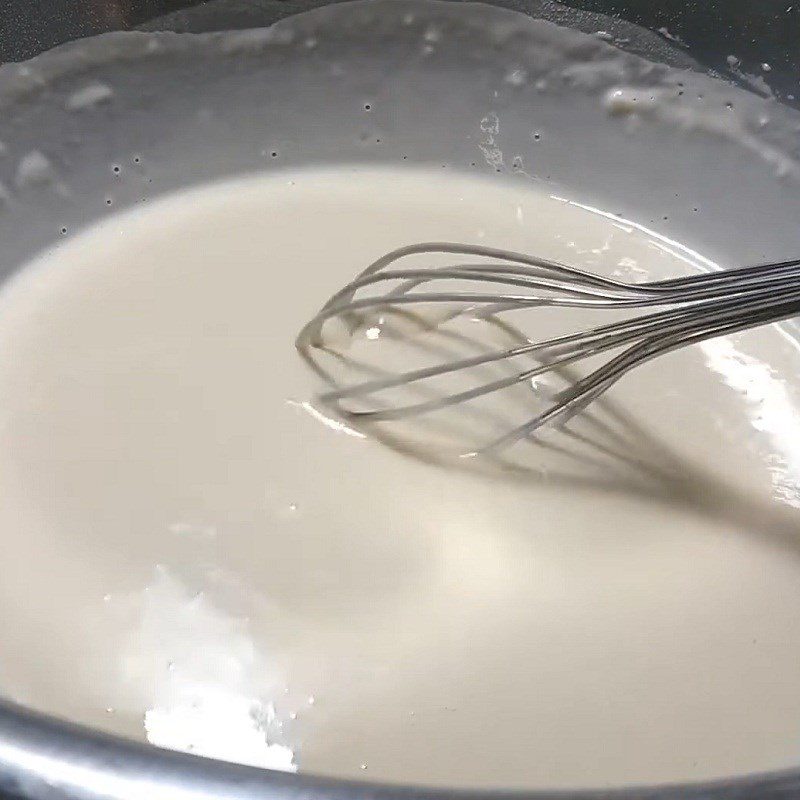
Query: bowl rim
(45, 758)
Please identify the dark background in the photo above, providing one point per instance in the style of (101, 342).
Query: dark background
(755, 31)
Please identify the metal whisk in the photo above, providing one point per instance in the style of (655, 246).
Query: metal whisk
(689, 310)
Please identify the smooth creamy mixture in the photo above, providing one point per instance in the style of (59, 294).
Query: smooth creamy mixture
(196, 554)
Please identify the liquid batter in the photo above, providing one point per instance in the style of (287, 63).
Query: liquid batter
(195, 554)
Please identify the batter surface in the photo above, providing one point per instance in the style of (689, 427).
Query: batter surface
(194, 553)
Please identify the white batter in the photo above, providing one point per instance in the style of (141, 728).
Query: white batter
(194, 554)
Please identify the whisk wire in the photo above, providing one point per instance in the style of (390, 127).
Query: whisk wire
(693, 308)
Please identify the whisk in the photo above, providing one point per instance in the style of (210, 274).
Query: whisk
(685, 311)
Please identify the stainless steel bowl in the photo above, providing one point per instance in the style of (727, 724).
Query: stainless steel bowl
(42, 758)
